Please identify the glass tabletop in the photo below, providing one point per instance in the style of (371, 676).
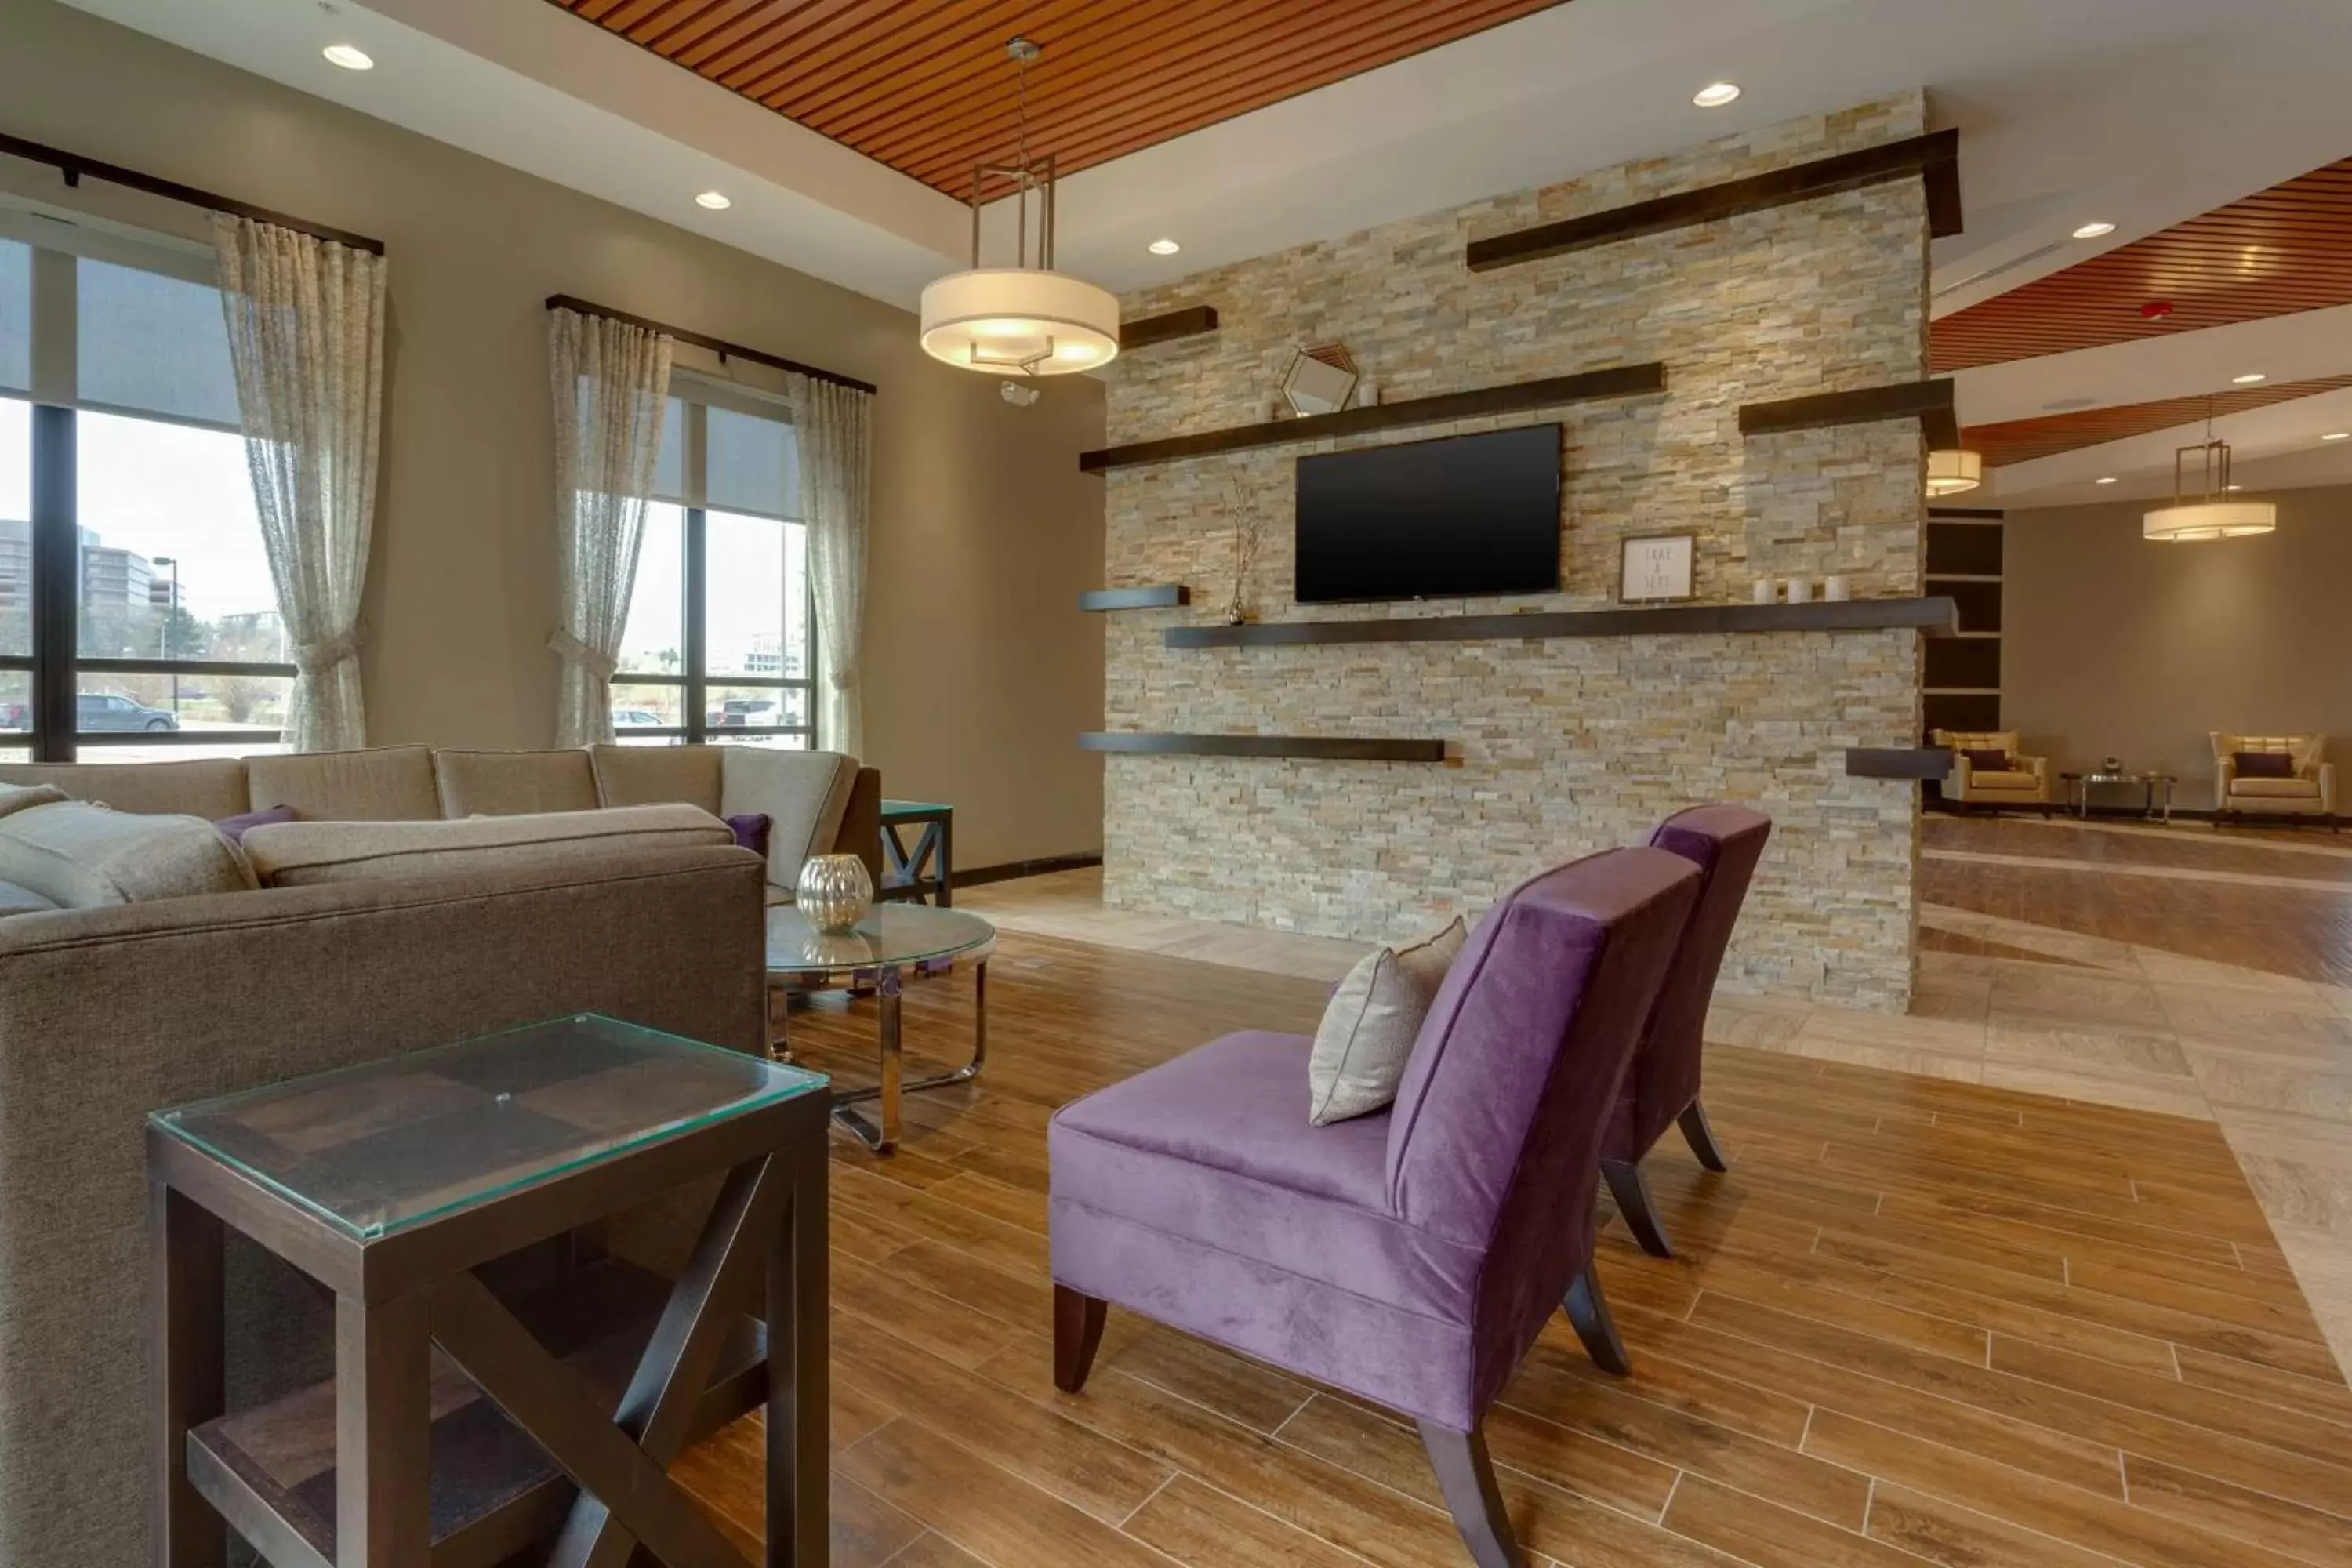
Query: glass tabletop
(890, 934)
(388, 1144)
(891, 808)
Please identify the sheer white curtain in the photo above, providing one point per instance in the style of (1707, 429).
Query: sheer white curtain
(834, 426)
(610, 381)
(305, 336)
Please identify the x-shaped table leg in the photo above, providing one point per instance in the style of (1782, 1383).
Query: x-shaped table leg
(771, 1213)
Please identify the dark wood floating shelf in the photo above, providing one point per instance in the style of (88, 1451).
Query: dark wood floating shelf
(1935, 157)
(1898, 761)
(1936, 616)
(1329, 748)
(1189, 323)
(1617, 381)
(1930, 402)
(1157, 597)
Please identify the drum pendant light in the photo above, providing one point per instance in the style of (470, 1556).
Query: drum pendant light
(2213, 515)
(1022, 320)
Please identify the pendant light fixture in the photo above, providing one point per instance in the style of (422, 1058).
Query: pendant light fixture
(1949, 473)
(1025, 319)
(2212, 515)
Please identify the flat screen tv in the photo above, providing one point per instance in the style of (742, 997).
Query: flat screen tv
(1431, 519)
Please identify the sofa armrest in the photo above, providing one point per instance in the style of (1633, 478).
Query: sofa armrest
(2328, 788)
(2225, 780)
(106, 1013)
(1958, 776)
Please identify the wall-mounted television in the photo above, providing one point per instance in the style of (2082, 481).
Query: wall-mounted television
(1431, 519)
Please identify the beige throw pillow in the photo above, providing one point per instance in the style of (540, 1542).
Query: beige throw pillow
(1366, 1033)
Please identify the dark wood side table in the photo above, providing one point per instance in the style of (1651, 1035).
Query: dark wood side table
(926, 868)
(544, 1418)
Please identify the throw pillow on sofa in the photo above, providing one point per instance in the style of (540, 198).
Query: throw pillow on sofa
(14, 798)
(1368, 1030)
(81, 855)
(2263, 764)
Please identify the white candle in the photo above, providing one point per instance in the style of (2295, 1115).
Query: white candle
(1801, 590)
(1836, 590)
(1763, 592)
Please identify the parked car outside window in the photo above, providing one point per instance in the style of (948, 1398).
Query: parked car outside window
(109, 710)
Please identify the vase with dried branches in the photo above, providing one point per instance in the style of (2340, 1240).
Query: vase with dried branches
(1248, 525)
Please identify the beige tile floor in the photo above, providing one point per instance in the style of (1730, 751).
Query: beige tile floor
(2266, 1057)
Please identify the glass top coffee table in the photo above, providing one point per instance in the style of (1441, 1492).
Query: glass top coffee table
(2155, 787)
(892, 939)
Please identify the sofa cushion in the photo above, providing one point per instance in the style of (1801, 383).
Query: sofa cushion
(14, 798)
(297, 854)
(386, 783)
(1996, 778)
(17, 901)
(1366, 1033)
(653, 776)
(81, 855)
(208, 789)
(2275, 789)
(514, 784)
(804, 794)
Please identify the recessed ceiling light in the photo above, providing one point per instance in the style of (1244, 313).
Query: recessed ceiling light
(2105, 480)
(2338, 435)
(2094, 230)
(2234, 487)
(2249, 379)
(349, 57)
(1163, 247)
(1715, 94)
(716, 201)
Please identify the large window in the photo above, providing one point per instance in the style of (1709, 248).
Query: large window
(138, 620)
(717, 646)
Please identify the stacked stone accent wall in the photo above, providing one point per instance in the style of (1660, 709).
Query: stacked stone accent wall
(1557, 746)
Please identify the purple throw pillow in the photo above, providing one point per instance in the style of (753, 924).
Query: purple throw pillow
(751, 832)
(1988, 760)
(2264, 765)
(234, 826)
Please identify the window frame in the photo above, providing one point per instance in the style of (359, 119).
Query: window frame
(694, 679)
(55, 661)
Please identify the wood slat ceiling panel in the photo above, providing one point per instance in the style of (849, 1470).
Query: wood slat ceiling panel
(2022, 440)
(2280, 250)
(924, 86)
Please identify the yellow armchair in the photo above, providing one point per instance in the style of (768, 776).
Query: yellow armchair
(2301, 785)
(2025, 781)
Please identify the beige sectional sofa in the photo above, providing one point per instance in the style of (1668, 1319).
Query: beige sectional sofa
(816, 801)
(333, 942)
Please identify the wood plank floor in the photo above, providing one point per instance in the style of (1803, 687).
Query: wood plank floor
(1919, 1322)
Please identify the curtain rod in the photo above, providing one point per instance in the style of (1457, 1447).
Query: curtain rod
(715, 345)
(74, 166)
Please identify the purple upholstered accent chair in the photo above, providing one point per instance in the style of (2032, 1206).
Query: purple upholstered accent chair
(1410, 1255)
(1725, 843)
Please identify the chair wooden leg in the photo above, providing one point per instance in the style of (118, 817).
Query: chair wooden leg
(1077, 1333)
(1701, 1137)
(1467, 1478)
(1632, 1196)
(1588, 1310)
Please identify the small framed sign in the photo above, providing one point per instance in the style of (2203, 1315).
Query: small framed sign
(1654, 569)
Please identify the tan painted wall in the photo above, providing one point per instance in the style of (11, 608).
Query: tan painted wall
(2112, 644)
(980, 669)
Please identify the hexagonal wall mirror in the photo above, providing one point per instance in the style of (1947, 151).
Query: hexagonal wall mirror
(1320, 380)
